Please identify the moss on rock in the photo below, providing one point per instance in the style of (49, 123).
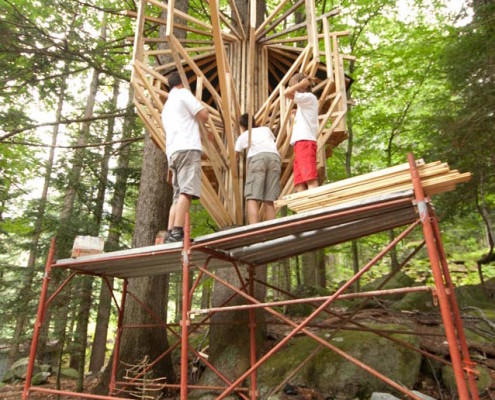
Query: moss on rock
(333, 375)
(483, 380)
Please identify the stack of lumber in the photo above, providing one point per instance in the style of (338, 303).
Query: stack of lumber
(436, 177)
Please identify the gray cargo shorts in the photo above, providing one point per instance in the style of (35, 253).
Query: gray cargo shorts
(186, 168)
(263, 177)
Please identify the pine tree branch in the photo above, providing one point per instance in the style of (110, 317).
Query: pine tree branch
(120, 113)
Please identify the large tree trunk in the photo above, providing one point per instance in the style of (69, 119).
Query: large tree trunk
(154, 201)
(98, 349)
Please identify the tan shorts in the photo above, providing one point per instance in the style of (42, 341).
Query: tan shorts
(263, 177)
(186, 169)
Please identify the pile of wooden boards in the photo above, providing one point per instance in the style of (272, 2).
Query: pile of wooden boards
(436, 177)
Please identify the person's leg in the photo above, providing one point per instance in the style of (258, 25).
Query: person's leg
(300, 187)
(252, 211)
(182, 207)
(312, 183)
(171, 217)
(269, 210)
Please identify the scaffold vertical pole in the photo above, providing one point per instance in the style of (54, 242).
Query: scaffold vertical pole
(116, 349)
(468, 364)
(252, 335)
(185, 309)
(439, 282)
(39, 320)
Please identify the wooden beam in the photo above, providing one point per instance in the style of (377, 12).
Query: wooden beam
(137, 50)
(281, 18)
(260, 28)
(225, 101)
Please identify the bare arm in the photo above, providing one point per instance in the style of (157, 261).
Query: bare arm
(290, 91)
(202, 115)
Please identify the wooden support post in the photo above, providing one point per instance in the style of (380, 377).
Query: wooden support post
(225, 101)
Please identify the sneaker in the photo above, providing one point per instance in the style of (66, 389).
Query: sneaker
(175, 236)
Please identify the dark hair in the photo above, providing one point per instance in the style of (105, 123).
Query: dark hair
(298, 77)
(173, 80)
(244, 121)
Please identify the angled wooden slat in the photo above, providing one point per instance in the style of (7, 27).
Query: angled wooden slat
(237, 18)
(157, 103)
(209, 200)
(260, 28)
(283, 17)
(143, 115)
(196, 59)
(187, 49)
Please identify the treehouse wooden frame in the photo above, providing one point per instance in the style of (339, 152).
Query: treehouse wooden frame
(254, 245)
(233, 71)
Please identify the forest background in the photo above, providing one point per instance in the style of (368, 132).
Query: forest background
(71, 149)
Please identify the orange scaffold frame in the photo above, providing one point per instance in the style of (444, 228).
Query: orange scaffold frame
(464, 368)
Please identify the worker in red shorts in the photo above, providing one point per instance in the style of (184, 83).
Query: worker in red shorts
(304, 132)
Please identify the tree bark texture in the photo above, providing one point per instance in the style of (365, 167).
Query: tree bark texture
(151, 216)
(98, 349)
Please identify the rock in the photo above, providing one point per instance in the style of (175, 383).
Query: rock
(18, 370)
(9, 377)
(388, 396)
(415, 301)
(69, 373)
(383, 396)
(483, 381)
(338, 378)
(423, 396)
(40, 378)
(398, 281)
(305, 291)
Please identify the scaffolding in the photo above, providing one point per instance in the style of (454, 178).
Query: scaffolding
(256, 245)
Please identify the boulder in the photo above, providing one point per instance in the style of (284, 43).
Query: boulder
(69, 373)
(40, 378)
(383, 396)
(305, 291)
(18, 370)
(398, 281)
(483, 380)
(414, 301)
(338, 378)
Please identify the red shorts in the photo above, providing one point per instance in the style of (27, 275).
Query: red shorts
(304, 161)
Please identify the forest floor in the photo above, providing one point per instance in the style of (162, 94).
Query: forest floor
(427, 327)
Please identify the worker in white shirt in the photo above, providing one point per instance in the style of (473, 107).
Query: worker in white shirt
(180, 116)
(263, 169)
(304, 132)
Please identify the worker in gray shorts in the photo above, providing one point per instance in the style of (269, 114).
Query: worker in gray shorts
(263, 169)
(181, 116)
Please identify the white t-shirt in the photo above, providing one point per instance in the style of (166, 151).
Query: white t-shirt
(306, 121)
(262, 141)
(179, 122)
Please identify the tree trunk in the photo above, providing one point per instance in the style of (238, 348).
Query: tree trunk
(81, 334)
(154, 201)
(98, 348)
(67, 229)
(25, 294)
